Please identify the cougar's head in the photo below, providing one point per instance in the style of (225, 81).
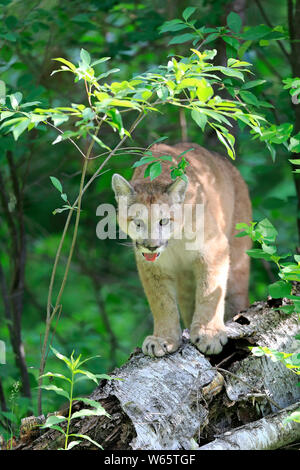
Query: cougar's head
(150, 213)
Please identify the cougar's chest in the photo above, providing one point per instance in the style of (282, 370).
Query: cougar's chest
(175, 258)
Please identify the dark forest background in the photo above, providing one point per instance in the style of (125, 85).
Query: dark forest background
(104, 308)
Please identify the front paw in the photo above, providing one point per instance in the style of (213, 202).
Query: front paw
(157, 346)
(209, 340)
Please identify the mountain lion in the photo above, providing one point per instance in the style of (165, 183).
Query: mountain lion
(177, 275)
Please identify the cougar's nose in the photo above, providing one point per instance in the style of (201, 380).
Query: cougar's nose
(152, 248)
(148, 245)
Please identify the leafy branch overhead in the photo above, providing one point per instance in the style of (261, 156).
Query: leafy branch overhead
(192, 82)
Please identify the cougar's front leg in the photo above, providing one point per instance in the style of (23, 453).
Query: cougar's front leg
(161, 295)
(207, 328)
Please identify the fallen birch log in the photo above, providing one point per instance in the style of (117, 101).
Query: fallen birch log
(184, 400)
(264, 434)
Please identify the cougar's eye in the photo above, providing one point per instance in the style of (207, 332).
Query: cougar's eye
(164, 221)
(138, 223)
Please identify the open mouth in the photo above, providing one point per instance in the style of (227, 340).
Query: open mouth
(151, 256)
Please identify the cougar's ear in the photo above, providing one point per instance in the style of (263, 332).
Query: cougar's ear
(121, 187)
(178, 189)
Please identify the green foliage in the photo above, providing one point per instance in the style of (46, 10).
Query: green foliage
(290, 360)
(57, 184)
(265, 234)
(154, 164)
(103, 298)
(74, 370)
(193, 77)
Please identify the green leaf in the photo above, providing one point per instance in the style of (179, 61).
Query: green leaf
(143, 161)
(91, 402)
(295, 416)
(267, 230)
(6, 114)
(106, 74)
(19, 128)
(73, 444)
(106, 377)
(241, 234)
(185, 151)
(252, 84)
(258, 351)
(211, 37)
(188, 12)
(2, 92)
(234, 21)
(256, 32)
(59, 376)
(56, 183)
(258, 254)
(249, 98)
(61, 357)
(99, 142)
(67, 63)
(287, 309)
(87, 412)
(52, 420)
(57, 390)
(173, 25)
(204, 90)
(88, 374)
(165, 158)
(59, 118)
(100, 61)
(155, 170)
(162, 92)
(182, 38)
(242, 50)
(161, 139)
(280, 289)
(15, 99)
(117, 120)
(199, 118)
(85, 57)
(234, 43)
(9, 415)
(271, 249)
(83, 436)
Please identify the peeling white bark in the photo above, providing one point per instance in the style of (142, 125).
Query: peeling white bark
(268, 433)
(161, 396)
(167, 403)
(167, 399)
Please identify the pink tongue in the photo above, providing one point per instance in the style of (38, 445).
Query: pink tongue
(150, 257)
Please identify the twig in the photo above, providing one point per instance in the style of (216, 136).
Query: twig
(268, 22)
(255, 390)
(69, 138)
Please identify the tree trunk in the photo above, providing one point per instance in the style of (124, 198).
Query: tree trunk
(185, 400)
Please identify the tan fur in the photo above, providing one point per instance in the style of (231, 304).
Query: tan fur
(195, 283)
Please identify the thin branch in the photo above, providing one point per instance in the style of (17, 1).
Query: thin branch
(268, 22)
(69, 138)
